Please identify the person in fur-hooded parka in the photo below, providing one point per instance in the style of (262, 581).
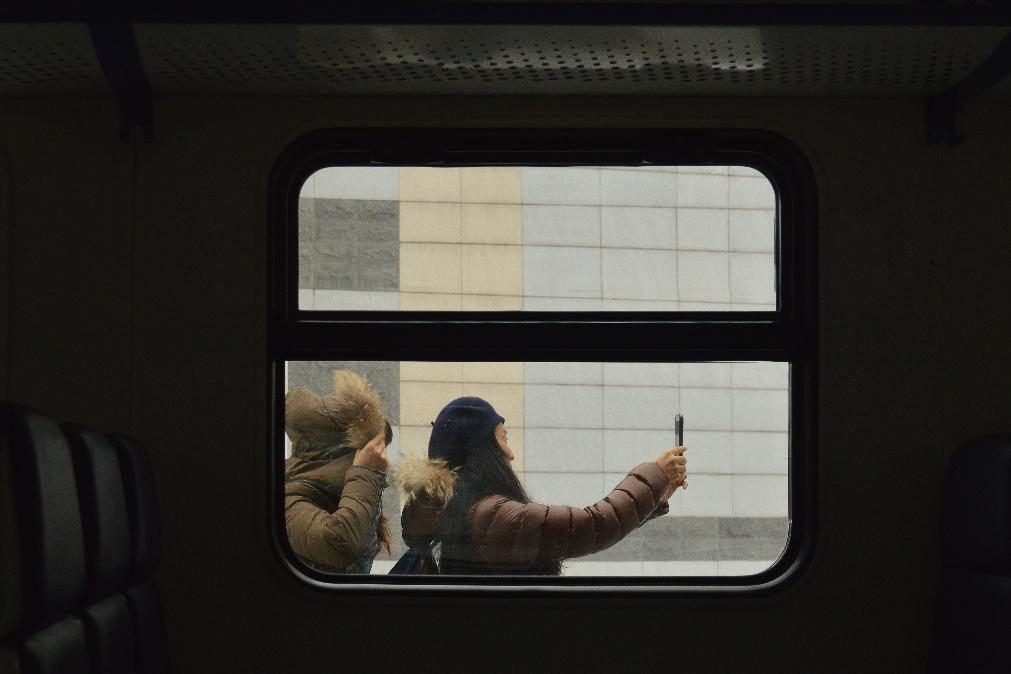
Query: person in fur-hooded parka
(465, 500)
(335, 477)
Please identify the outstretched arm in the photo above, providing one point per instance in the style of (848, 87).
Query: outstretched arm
(509, 534)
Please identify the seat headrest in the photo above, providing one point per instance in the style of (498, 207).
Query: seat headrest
(43, 552)
(60, 648)
(103, 511)
(142, 504)
(976, 510)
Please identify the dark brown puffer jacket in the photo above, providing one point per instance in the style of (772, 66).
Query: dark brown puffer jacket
(509, 535)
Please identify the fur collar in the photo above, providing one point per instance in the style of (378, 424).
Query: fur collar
(424, 479)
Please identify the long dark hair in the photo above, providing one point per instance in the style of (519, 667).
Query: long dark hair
(484, 473)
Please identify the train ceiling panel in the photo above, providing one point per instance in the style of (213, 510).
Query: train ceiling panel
(561, 59)
(49, 58)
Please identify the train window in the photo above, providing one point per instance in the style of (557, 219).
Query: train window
(535, 238)
(530, 309)
(576, 429)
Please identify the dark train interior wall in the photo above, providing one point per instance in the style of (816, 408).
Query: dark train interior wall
(134, 298)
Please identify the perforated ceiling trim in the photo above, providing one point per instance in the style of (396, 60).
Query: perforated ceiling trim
(812, 60)
(49, 58)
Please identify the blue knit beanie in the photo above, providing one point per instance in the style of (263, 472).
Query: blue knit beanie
(460, 426)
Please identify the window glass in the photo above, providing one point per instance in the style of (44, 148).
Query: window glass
(537, 238)
(577, 428)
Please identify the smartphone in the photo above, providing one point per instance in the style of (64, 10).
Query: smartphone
(679, 429)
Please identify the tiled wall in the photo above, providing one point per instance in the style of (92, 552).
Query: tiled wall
(577, 428)
(695, 238)
(510, 238)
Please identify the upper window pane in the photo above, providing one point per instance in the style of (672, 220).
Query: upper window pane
(521, 238)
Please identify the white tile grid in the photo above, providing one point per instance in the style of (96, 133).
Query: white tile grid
(752, 231)
(563, 373)
(625, 449)
(556, 271)
(703, 191)
(705, 375)
(692, 568)
(355, 300)
(640, 407)
(358, 182)
(641, 374)
(750, 192)
(563, 450)
(561, 225)
(630, 187)
(595, 568)
(637, 227)
(639, 274)
(712, 170)
(560, 303)
(760, 375)
(639, 305)
(563, 406)
(752, 278)
(741, 567)
(561, 185)
(746, 171)
(707, 409)
(702, 229)
(739, 435)
(707, 495)
(703, 277)
(572, 489)
(761, 453)
(760, 496)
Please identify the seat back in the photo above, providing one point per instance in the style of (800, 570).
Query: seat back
(43, 577)
(974, 596)
(141, 505)
(104, 518)
(142, 597)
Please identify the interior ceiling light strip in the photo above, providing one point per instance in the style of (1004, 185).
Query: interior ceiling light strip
(778, 60)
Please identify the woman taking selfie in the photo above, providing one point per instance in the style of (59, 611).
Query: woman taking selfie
(466, 512)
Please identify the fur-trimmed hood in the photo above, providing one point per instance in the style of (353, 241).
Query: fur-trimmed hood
(328, 426)
(426, 487)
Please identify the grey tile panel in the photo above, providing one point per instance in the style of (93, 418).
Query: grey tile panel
(383, 375)
(753, 538)
(672, 538)
(355, 244)
(306, 242)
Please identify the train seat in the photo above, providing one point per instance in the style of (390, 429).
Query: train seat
(108, 559)
(80, 540)
(145, 535)
(974, 597)
(42, 563)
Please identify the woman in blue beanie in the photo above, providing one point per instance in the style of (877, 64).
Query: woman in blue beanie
(466, 502)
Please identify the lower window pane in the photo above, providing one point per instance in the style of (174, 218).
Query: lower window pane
(575, 430)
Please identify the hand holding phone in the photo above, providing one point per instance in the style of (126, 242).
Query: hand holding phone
(679, 437)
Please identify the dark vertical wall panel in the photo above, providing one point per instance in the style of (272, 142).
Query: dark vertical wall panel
(68, 302)
(5, 272)
(975, 309)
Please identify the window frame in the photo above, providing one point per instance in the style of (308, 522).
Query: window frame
(788, 334)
